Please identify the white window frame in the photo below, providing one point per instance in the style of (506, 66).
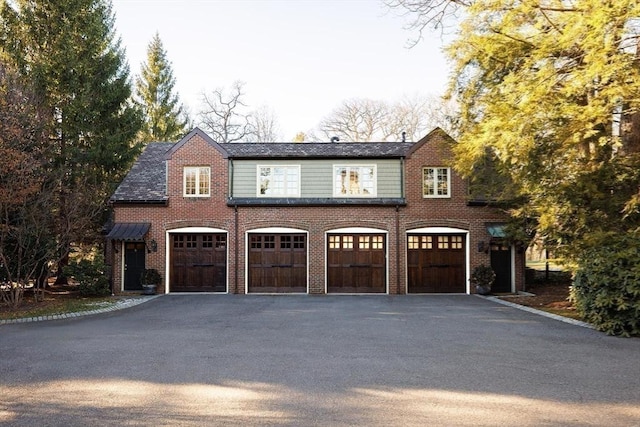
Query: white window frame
(436, 181)
(197, 170)
(284, 193)
(349, 167)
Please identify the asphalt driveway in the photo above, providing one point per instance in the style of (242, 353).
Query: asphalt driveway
(325, 361)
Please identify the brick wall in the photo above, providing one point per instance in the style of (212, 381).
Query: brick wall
(214, 212)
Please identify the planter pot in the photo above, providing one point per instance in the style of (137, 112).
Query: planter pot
(149, 289)
(483, 290)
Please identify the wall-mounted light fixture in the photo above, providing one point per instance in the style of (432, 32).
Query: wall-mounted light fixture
(481, 246)
(152, 246)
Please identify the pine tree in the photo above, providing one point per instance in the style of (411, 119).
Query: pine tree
(164, 116)
(68, 49)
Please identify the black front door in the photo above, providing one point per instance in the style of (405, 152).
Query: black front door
(501, 265)
(134, 253)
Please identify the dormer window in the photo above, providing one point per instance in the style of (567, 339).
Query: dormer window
(354, 181)
(197, 181)
(436, 182)
(279, 181)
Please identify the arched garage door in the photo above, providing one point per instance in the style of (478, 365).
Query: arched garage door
(277, 263)
(436, 263)
(356, 263)
(198, 262)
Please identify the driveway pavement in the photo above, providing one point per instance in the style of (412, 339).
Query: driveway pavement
(316, 361)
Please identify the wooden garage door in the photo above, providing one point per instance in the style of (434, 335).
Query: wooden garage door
(198, 262)
(356, 263)
(277, 263)
(436, 263)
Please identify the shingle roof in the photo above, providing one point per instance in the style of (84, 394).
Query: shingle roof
(146, 181)
(317, 149)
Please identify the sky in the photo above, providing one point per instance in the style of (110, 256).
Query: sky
(300, 58)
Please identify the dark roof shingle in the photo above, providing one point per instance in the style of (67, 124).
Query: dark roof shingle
(146, 181)
(317, 150)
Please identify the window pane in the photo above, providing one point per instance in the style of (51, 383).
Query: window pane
(190, 181)
(204, 181)
(354, 181)
(377, 242)
(427, 182)
(443, 181)
(347, 242)
(363, 242)
(279, 181)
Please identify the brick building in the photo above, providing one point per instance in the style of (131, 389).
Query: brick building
(390, 218)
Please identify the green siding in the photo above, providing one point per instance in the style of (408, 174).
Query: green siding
(317, 176)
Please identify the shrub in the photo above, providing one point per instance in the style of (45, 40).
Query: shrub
(91, 276)
(606, 289)
(482, 277)
(150, 276)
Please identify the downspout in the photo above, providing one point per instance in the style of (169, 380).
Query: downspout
(402, 177)
(236, 255)
(230, 189)
(402, 195)
(398, 248)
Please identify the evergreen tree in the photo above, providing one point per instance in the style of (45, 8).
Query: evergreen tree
(539, 86)
(164, 116)
(68, 49)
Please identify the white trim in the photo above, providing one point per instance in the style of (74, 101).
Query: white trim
(440, 230)
(349, 166)
(273, 230)
(513, 269)
(277, 230)
(435, 179)
(436, 230)
(184, 181)
(194, 230)
(356, 230)
(273, 166)
(122, 266)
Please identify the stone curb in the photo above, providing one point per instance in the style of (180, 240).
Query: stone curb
(539, 312)
(113, 307)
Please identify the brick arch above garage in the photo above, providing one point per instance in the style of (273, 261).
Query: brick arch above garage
(377, 226)
(429, 223)
(207, 224)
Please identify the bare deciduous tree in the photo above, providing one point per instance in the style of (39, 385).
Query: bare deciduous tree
(435, 14)
(265, 126)
(223, 115)
(361, 120)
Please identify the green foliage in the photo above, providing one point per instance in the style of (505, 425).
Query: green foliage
(150, 276)
(606, 288)
(164, 116)
(68, 49)
(91, 276)
(482, 277)
(538, 84)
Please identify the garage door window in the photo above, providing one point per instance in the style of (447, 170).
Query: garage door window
(420, 242)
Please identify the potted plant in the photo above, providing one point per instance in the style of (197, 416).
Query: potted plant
(150, 280)
(482, 277)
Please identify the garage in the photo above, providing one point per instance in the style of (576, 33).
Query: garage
(436, 263)
(356, 263)
(198, 262)
(277, 263)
